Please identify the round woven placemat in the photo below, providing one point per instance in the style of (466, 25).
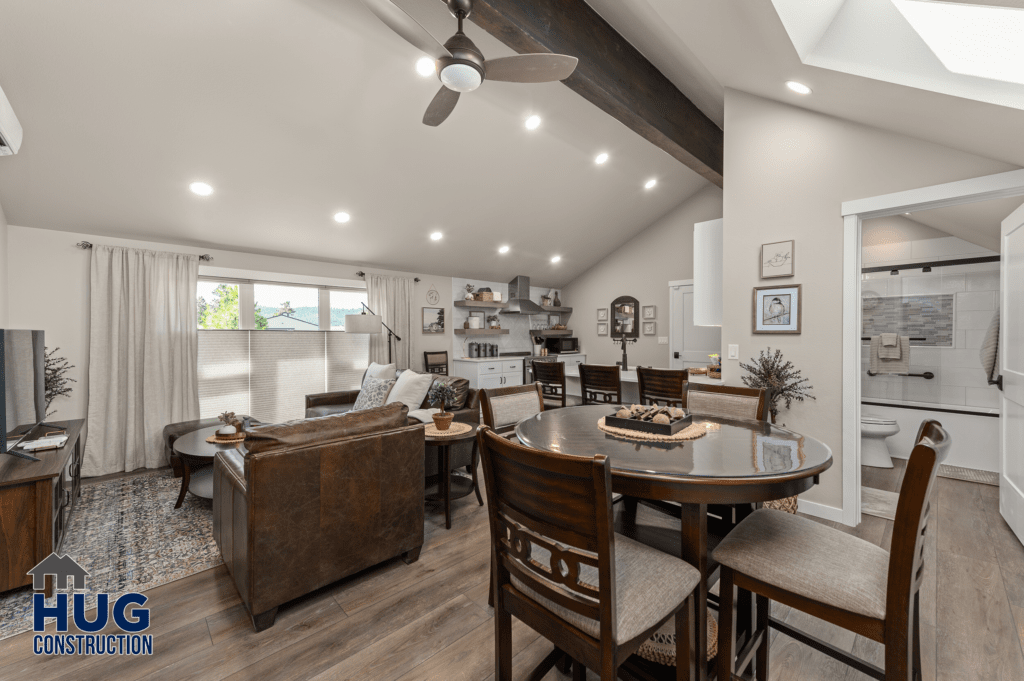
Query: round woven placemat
(661, 646)
(690, 432)
(454, 430)
(226, 439)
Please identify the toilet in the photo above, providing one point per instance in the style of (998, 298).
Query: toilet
(874, 450)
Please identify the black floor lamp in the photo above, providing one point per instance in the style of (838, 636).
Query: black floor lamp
(369, 323)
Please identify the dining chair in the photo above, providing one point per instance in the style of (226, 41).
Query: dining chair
(435, 362)
(726, 401)
(503, 408)
(835, 576)
(662, 387)
(560, 568)
(551, 377)
(601, 384)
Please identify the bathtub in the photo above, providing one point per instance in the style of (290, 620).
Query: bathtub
(974, 430)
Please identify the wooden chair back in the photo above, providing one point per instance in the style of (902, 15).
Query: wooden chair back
(559, 503)
(913, 511)
(601, 384)
(435, 362)
(726, 401)
(503, 408)
(551, 376)
(662, 387)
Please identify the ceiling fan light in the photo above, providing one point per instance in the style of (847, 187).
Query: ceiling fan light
(461, 77)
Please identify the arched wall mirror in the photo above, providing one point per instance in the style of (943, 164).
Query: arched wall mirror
(625, 317)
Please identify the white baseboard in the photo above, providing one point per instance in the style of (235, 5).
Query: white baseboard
(820, 510)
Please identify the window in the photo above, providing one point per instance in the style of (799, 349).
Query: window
(218, 305)
(246, 365)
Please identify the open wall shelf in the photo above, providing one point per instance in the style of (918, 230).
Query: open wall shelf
(481, 332)
(478, 305)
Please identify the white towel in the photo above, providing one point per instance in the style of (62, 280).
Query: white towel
(891, 346)
(990, 351)
(881, 365)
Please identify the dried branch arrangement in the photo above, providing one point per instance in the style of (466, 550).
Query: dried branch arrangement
(780, 379)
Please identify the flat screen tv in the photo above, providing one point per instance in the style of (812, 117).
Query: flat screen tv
(22, 379)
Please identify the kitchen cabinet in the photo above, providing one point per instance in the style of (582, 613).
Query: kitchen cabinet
(492, 372)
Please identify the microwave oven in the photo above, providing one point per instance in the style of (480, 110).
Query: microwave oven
(559, 344)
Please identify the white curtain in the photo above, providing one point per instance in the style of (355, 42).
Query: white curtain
(143, 355)
(391, 298)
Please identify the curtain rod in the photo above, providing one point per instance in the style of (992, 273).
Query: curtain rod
(363, 274)
(85, 245)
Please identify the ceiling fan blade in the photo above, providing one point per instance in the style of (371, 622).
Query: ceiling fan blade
(440, 107)
(531, 68)
(404, 25)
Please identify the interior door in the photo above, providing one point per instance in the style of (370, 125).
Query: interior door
(689, 345)
(1011, 346)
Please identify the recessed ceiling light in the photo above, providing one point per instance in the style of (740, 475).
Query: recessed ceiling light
(503, 250)
(906, 213)
(601, 158)
(342, 217)
(557, 258)
(798, 88)
(201, 188)
(533, 122)
(651, 183)
(425, 66)
(436, 236)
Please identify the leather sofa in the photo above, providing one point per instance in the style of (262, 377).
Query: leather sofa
(316, 500)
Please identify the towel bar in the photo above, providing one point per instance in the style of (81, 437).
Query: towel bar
(928, 375)
(913, 338)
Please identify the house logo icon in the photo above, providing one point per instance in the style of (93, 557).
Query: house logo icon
(64, 569)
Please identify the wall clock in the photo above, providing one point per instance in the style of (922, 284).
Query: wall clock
(433, 296)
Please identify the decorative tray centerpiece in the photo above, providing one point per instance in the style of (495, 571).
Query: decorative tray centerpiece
(654, 420)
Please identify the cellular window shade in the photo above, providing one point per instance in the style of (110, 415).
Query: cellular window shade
(267, 374)
(223, 373)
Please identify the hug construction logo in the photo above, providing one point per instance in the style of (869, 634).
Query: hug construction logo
(64, 569)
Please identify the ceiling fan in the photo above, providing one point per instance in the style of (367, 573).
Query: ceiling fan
(459, 64)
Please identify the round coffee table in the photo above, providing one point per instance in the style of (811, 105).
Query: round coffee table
(450, 487)
(197, 458)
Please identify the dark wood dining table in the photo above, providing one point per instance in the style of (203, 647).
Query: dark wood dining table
(735, 462)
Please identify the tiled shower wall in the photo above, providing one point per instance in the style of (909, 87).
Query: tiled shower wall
(959, 379)
(919, 316)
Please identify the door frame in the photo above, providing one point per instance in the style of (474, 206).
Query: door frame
(1001, 185)
(672, 314)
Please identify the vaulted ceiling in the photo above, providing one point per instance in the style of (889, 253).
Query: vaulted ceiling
(294, 110)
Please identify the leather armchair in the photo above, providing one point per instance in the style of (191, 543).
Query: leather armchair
(316, 500)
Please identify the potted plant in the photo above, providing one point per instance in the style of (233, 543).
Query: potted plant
(493, 321)
(780, 379)
(715, 368)
(442, 394)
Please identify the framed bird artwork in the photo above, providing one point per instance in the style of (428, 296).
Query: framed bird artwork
(777, 259)
(777, 309)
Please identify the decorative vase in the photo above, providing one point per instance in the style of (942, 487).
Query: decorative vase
(469, 296)
(443, 421)
(557, 301)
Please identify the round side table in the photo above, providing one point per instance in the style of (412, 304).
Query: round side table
(197, 458)
(450, 487)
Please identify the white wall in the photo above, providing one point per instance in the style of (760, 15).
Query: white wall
(788, 170)
(642, 268)
(50, 291)
(3, 269)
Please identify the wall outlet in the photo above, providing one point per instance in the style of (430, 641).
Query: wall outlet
(734, 352)
(662, 340)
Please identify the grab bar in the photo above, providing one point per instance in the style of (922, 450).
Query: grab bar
(913, 338)
(928, 375)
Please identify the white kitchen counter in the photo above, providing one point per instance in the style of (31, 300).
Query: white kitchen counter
(567, 355)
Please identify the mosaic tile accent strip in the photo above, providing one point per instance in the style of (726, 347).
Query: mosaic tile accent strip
(927, 316)
(127, 534)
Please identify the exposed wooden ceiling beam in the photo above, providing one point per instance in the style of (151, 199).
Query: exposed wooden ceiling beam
(612, 74)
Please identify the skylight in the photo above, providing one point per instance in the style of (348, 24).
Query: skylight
(973, 40)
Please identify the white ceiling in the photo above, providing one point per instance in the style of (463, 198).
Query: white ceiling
(294, 110)
(744, 45)
(979, 223)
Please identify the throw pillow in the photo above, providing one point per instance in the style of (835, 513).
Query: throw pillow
(385, 371)
(410, 389)
(373, 394)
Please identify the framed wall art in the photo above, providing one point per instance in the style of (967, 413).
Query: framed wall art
(650, 328)
(433, 320)
(649, 312)
(777, 259)
(602, 328)
(777, 309)
(602, 314)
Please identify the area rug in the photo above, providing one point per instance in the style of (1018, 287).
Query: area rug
(969, 475)
(127, 534)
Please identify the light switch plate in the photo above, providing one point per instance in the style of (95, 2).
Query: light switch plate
(662, 340)
(734, 352)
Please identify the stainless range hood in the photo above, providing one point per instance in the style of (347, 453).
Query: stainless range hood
(519, 302)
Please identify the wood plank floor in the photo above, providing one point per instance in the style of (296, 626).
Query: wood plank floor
(430, 620)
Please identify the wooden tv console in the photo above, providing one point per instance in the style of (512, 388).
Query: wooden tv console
(36, 502)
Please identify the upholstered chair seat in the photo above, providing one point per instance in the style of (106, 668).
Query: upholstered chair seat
(835, 568)
(649, 585)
